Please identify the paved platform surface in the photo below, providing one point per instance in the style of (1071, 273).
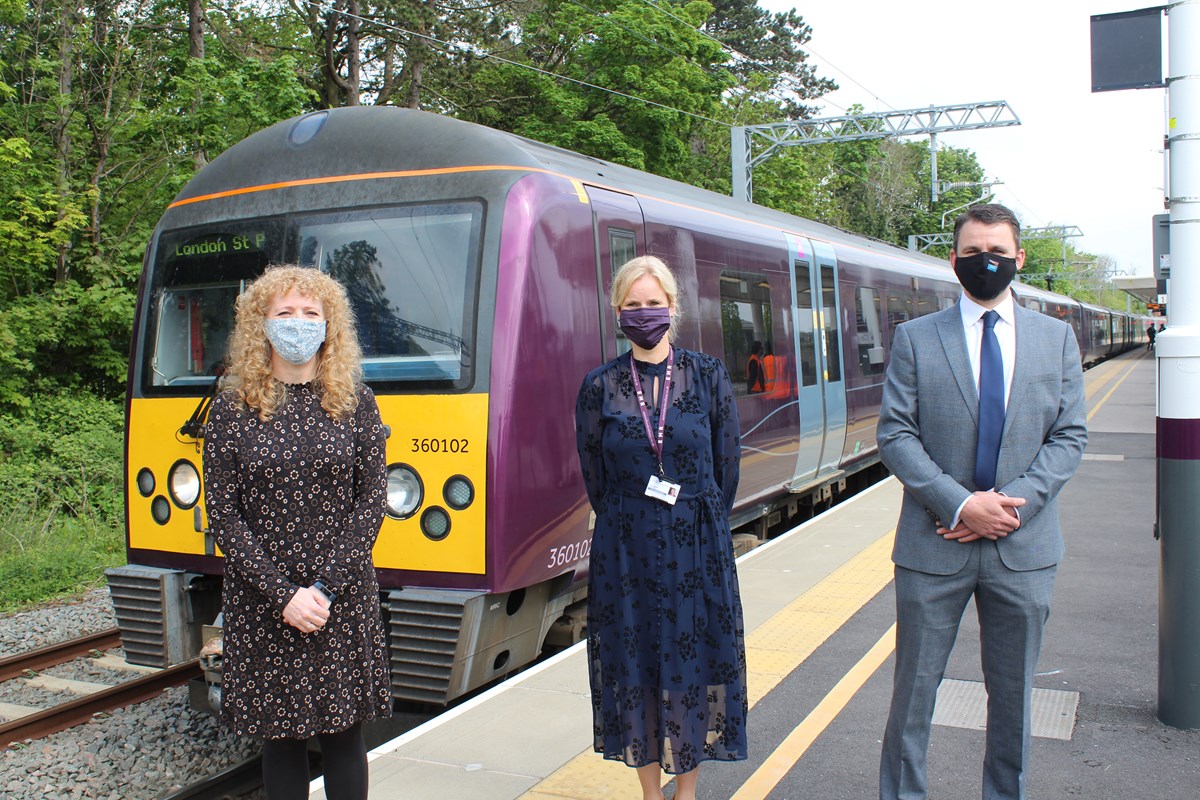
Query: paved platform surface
(819, 616)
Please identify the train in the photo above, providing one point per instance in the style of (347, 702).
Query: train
(479, 265)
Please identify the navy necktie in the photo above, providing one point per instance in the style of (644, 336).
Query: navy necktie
(991, 405)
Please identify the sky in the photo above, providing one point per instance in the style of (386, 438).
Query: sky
(1078, 158)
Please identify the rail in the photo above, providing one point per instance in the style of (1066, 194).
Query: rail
(54, 654)
(67, 715)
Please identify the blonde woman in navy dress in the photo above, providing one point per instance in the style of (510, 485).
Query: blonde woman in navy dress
(665, 636)
(295, 490)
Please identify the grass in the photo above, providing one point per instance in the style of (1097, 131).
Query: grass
(47, 554)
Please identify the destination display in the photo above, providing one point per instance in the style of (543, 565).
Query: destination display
(221, 244)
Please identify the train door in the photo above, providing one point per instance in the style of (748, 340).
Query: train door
(620, 236)
(829, 318)
(820, 385)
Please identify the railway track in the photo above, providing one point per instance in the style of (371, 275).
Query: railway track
(29, 723)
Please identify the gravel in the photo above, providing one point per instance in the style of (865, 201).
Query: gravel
(144, 751)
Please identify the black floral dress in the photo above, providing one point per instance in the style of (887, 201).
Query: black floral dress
(665, 635)
(290, 500)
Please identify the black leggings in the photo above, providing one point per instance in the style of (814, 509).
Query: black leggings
(343, 757)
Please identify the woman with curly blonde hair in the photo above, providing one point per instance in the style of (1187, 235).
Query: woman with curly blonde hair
(295, 491)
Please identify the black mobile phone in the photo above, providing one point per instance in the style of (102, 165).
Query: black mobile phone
(330, 594)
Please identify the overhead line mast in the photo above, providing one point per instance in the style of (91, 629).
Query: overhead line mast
(857, 127)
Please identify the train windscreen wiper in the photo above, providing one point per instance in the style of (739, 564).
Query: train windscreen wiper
(194, 427)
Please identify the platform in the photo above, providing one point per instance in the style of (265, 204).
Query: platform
(819, 615)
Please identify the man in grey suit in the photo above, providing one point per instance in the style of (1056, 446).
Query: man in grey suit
(983, 422)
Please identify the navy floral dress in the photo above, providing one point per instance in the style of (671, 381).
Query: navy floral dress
(666, 651)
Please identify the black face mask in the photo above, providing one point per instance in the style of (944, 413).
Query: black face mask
(985, 275)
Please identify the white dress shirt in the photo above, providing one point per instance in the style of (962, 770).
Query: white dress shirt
(1006, 335)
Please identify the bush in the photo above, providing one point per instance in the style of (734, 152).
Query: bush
(61, 505)
(65, 451)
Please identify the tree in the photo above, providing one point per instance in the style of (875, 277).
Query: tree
(106, 109)
(768, 56)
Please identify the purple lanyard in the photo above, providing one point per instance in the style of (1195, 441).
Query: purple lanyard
(656, 444)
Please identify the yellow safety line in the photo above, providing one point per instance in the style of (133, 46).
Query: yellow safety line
(780, 762)
(773, 651)
(1104, 399)
(1097, 377)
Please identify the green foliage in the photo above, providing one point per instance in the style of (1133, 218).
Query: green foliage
(45, 554)
(668, 75)
(64, 454)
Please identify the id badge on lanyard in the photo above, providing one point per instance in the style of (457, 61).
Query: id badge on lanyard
(659, 486)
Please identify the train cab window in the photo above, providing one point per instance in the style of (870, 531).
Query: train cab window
(946, 302)
(197, 277)
(410, 274)
(829, 322)
(870, 335)
(746, 327)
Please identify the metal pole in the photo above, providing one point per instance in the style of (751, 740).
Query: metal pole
(933, 187)
(1178, 353)
(740, 158)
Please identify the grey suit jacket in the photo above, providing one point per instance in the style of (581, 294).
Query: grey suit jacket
(928, 426)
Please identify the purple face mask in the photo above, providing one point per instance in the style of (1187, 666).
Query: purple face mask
(646, 327)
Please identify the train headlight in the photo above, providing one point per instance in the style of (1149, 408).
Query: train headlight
(435, 523)
(404, 491)
(160, 509)
(145, 482)
(458, 492)
(183, 483)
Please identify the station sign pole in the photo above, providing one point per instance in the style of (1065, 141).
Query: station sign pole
(1178, 413)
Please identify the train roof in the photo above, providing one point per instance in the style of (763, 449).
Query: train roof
(386, 140)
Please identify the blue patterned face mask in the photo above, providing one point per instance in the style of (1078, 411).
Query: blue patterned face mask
(296, 340)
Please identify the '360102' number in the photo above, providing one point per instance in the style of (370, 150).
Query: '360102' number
(567, 554)
(439, 445)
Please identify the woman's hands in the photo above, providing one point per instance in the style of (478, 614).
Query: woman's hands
(307, 611)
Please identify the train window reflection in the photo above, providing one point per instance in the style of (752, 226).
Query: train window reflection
(829, 320)
(805, 328)
(870, 335)
(746, 327)
(899, 308)
(408, 273)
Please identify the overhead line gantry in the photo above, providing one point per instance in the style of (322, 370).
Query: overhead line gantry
(857, 127)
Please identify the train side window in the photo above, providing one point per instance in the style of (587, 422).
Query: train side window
(1033, 304)
(622, 247)
(829, 321)
(746, 326)
(926, 304)
(899, 309)
(946, 302)
(870, 335)
(805, 329)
